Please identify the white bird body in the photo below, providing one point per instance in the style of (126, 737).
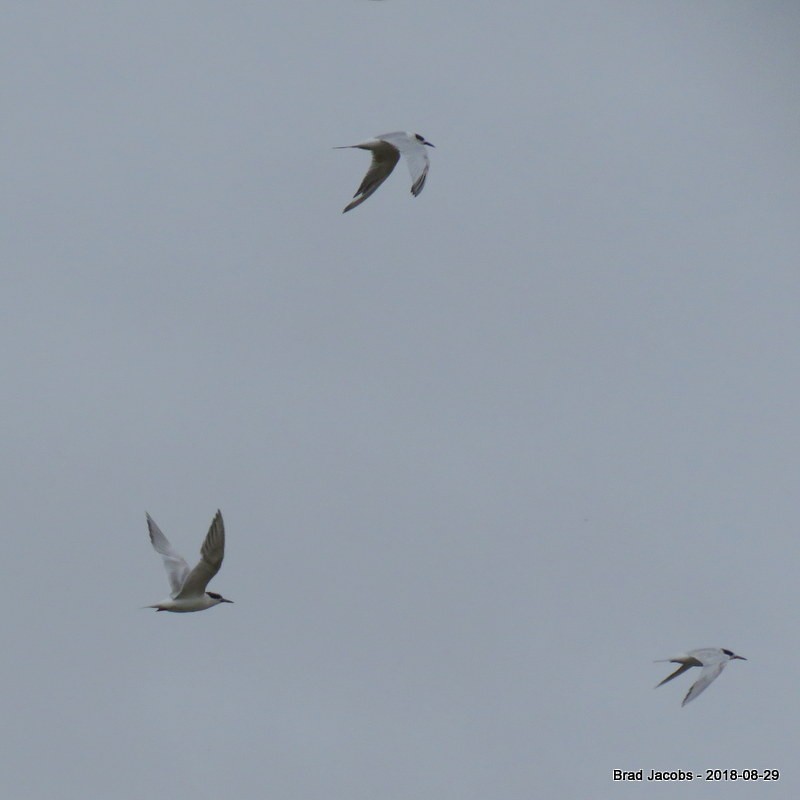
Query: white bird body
(189, 584)
(386, 150)
(711, 659)
(187, 604)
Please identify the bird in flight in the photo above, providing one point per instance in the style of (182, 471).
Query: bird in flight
(189, 585)
(386, 151)
(711, 659)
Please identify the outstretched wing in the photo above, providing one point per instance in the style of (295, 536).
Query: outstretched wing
(175, 565)
(384, 158)
(418, 165)
(681, 669)
(707, 676)
(211, 554)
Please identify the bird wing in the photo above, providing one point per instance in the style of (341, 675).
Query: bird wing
(211, 554)
(681, 669)
(175, 565)
(384, 158)
(418, 165)
(708, 675)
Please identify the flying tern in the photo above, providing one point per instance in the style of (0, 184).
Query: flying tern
(711, 659)
(386, 151)
(189, 585)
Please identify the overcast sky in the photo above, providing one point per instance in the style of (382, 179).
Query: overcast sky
(482, 454)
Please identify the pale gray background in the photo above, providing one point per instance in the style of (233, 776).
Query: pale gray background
(482, 455)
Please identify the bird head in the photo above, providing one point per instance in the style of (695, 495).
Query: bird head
(731, 655)
(218, 597)
(421, 140)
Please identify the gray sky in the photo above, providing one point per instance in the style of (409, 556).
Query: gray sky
(482, 454)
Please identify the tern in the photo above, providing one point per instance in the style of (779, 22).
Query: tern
(189, 585)
(386, 151)
(711, 659)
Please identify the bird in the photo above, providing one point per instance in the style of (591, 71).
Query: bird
(386, 151)
(711, 659)
(189, 585)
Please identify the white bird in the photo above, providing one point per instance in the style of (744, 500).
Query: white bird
(189, 585)
(386, 151)
(711, 659)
